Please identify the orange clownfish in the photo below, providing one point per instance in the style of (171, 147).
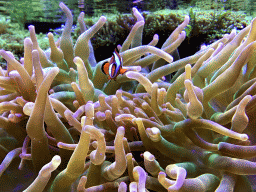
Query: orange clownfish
(114, 67)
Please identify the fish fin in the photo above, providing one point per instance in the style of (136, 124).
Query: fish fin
(119, 57)
(122, 71)
(112, 70)
(112, 60)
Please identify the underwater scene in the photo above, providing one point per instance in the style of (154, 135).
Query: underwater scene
(128, 96)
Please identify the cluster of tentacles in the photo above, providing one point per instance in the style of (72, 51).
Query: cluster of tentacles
(140, 132)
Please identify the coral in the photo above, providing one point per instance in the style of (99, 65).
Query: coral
(12, 38)
(209, 25)
(63, 121)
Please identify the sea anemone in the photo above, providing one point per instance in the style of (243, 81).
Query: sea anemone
(67, 123)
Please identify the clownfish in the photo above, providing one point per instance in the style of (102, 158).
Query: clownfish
(114, 67)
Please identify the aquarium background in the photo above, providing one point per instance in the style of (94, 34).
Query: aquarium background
(209, 21)
(43, 10)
